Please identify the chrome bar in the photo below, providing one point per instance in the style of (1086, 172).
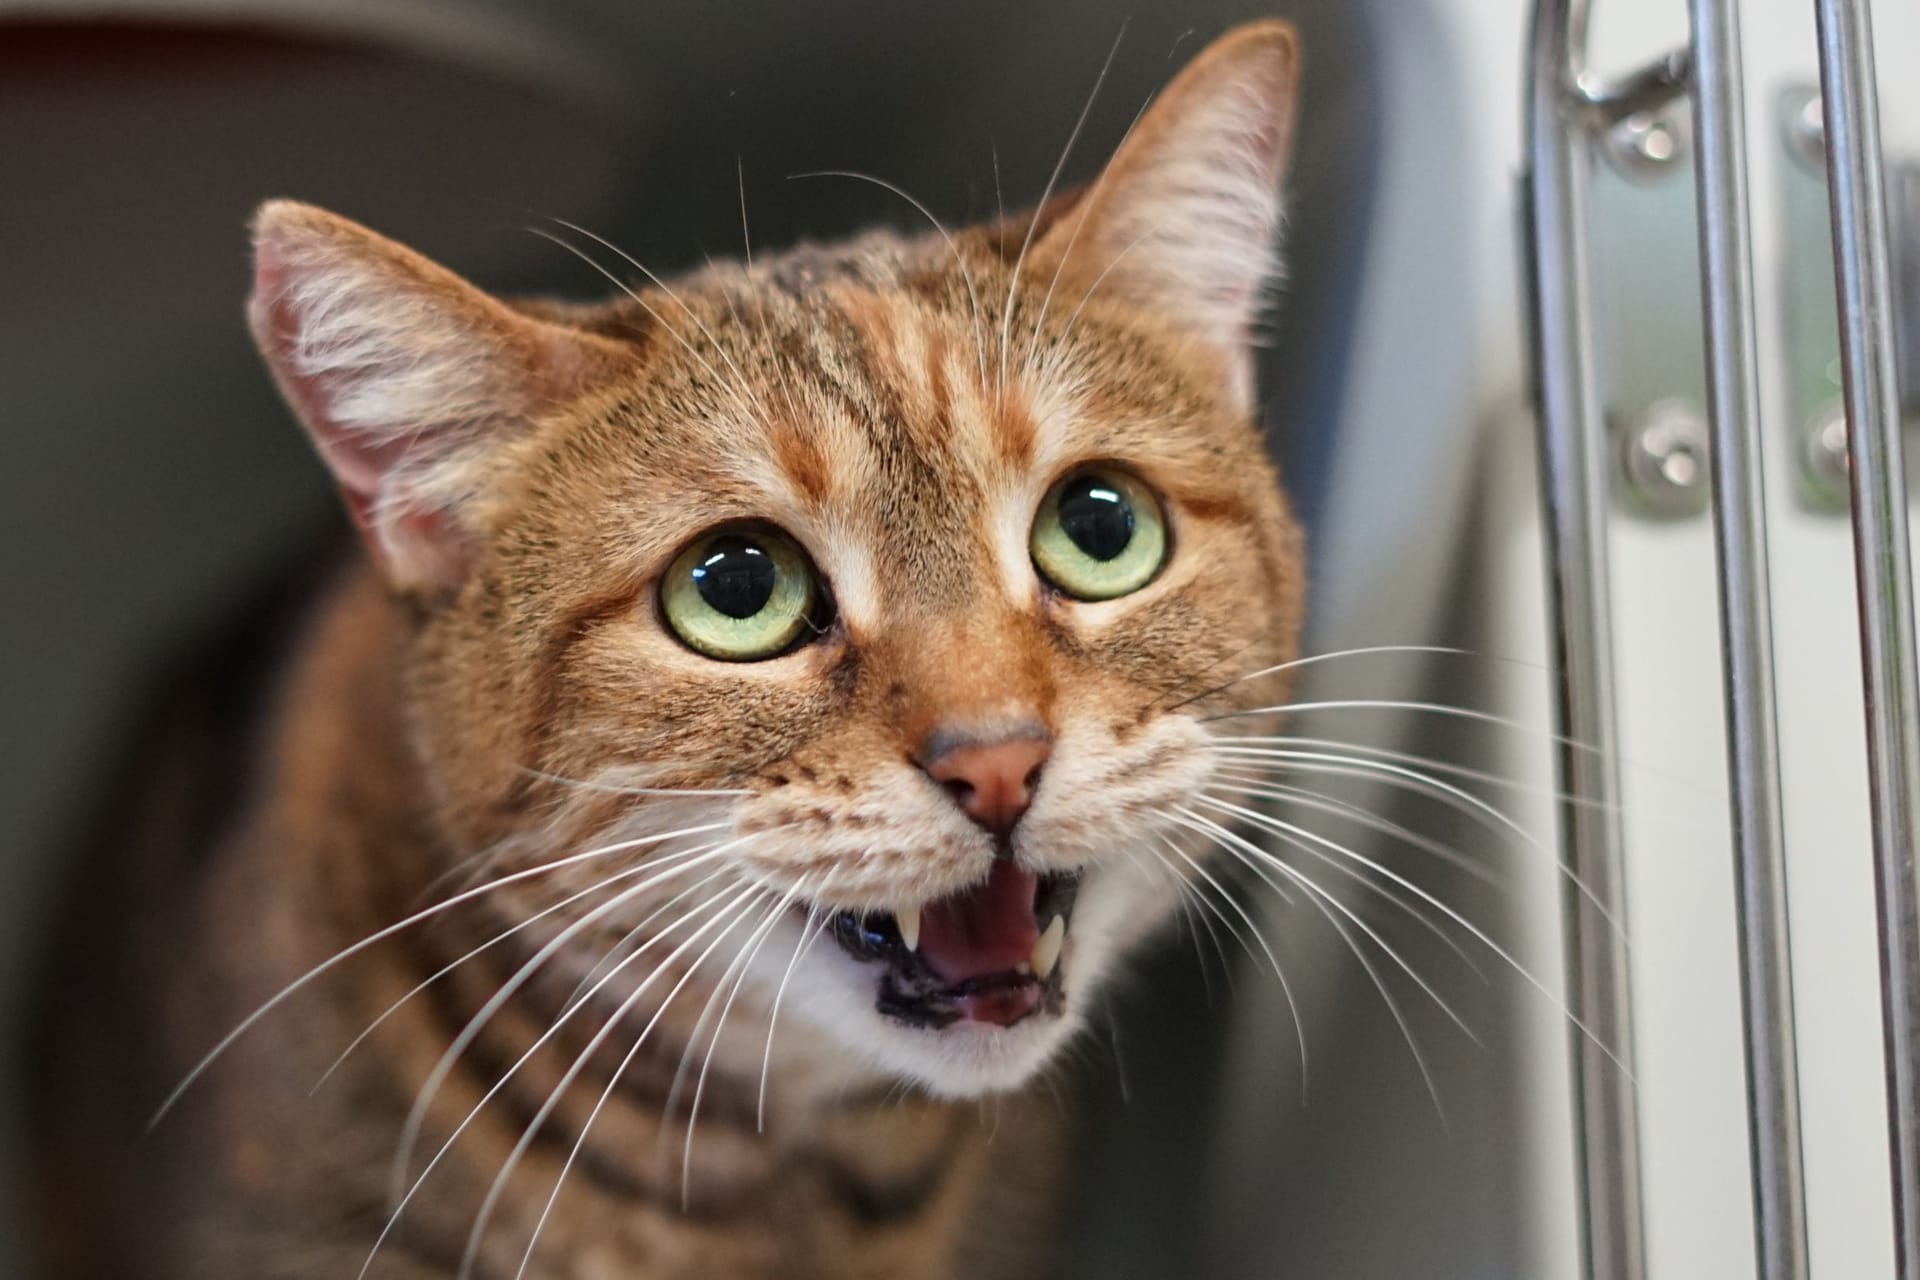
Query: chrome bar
(1573, 479)
(1746, 637)
(1882, 564)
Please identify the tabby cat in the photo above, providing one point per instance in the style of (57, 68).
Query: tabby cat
(757, 729)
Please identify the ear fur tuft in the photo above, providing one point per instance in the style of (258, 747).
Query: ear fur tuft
(1184, 219)
(404, 376)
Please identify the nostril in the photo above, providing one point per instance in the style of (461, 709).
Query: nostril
(991, 781)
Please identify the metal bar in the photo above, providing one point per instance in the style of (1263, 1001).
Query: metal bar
(1573, 479)
(1863, 280)
(1746, 633)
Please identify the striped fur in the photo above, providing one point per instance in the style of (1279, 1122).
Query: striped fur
(492, 698)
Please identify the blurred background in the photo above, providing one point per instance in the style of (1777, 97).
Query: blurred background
(151, 486)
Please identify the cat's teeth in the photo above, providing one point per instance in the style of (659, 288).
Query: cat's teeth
(909, 921)
(1046, 952)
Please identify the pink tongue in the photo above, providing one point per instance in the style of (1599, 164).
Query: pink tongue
(986, 929)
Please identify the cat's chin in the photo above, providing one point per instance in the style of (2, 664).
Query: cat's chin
(972, 1059)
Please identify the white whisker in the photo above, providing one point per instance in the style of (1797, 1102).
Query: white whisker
(1286, 988)
(748, 411)
(966, 276)
(817, 923)
(498, 938)
(372, 939)
(1301, 834)
(1046, 194)
(1386, 892)
(741, 381)
(1256, 782)
(738, 908)
(755, 942)
(1413, 779)
(417, 1115)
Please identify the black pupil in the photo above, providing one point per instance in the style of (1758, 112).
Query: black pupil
(735, 576)
(1096, 516)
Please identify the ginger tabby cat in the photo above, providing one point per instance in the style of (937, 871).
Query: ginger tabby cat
(754, 735)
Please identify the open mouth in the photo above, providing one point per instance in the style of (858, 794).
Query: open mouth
(988, 954)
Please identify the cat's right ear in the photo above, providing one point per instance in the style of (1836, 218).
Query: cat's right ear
(406, 377)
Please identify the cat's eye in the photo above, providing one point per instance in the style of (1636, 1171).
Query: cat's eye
(1099, 534)
(742, 595)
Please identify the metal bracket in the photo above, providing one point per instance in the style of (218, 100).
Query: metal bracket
(1646, 302)
(1812, 342)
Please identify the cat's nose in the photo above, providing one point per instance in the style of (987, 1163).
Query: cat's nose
(992, 782)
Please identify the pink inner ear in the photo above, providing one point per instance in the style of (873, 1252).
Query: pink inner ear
(370, 347)
(357, 462)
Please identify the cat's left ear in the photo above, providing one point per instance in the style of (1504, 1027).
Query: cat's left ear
(1183, 221)
(406, 377)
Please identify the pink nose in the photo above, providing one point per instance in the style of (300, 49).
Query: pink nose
(992, 782)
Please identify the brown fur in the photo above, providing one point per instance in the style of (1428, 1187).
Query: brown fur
(465, 709)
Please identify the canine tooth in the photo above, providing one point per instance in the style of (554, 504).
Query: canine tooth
(909, 922)
(1046, 952)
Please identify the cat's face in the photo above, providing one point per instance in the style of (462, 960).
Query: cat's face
(899, 576)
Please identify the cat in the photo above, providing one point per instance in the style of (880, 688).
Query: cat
(758, 727)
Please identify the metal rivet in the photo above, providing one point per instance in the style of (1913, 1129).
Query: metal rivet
(1807, 129)
(1647, 143)
(1824, 454)
(1664, 460)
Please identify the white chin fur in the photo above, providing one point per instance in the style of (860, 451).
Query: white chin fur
(832, 995)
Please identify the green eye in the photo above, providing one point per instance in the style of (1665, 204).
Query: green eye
(740, 596)
(1099, 534)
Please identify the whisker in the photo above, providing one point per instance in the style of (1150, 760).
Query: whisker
(1196, 920)
(406, 1198)
(1321, 899)
(1424, 708)
(1255, 782)
(739, 907)
(1297, 663)
(1427, 763)
(436, 1077)
(498, 1000)
(800, 949)
(747, 410)
(741, 378)
(497, 938)
(1286, 988)
(1303, 839)
(1394, 897)
(339, 957)
(584, 989)
(1239, 842)
(966, 275)
(1413, 779)
(713, 1046)
(746, 236)
(1087, 203)
(416, 1117)
(1046, 194)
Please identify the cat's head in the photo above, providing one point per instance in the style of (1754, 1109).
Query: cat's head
(897, 576)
